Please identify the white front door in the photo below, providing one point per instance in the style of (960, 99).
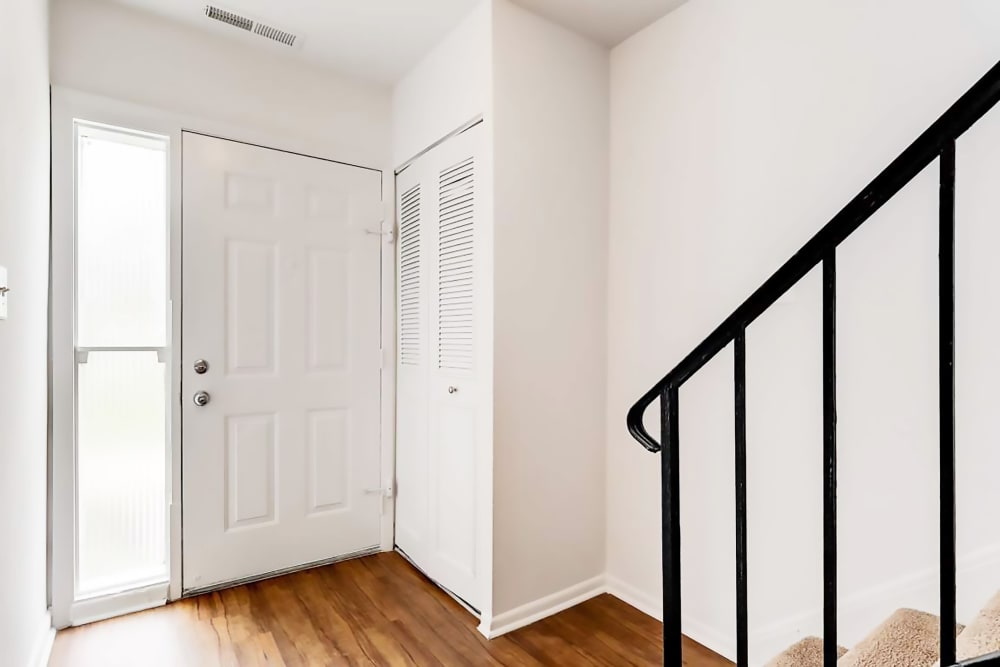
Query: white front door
(441, 304)
(281, 301)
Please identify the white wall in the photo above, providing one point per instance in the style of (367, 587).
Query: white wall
(543, 92)
(452, 85)
(132, 56)
(550, 112)
(24, 234)
(737, 131)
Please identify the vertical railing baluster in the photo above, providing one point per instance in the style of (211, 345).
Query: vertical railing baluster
(670, 484)
(830, 459)
(742, 601)
(946, 353)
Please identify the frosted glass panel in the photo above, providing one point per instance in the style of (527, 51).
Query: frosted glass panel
(121, 241)
(121, 471)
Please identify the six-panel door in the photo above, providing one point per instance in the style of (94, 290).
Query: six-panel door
(281, 462)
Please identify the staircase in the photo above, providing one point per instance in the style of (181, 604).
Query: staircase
(908, 637)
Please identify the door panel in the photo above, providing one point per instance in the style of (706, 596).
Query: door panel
(454, 428)
(282, 298)
(438, 400)
(329, 292)
(249, 298)
(250, 470)
(328, 460)
(413, 455)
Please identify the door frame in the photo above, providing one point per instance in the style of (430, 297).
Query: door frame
(69, 105)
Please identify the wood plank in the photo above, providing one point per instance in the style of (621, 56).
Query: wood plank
(372, 611)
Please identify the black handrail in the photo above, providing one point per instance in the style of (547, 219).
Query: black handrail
(937, 143)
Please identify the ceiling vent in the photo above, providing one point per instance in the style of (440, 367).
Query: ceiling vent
(270, 32)
(235, 20)
(250, 25)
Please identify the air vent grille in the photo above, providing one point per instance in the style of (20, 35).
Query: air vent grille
(250, 25)
(235, 20)
(270, 32)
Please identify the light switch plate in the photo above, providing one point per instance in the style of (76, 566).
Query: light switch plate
(3, 292)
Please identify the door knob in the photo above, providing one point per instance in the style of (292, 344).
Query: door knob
(452, 390)
(202, 398)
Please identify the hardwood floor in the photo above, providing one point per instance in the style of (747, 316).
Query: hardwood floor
(371, 611)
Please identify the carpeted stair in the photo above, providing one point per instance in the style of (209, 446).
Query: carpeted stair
(982, 637)
(908, 638)
(807, 653)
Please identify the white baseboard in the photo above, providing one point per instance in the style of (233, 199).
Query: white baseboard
(640, 599)
(651, 605)
(531, 612)
(44, 638)
(710, 637)
(648, 604)
(978, 581)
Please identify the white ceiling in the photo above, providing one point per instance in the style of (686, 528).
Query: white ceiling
(376, 40)
(380, 40)
(609, 22)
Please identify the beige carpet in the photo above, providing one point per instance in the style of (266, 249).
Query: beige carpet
(807, 653)
(907, 639)
(982, 637)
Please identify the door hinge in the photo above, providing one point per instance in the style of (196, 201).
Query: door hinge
(386, 493)
(390, 235)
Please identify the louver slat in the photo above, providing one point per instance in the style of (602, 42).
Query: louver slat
(270, 32)
(410, 280)
(232, 18)
(456, 272)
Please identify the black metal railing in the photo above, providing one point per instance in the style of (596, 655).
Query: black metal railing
(937, 143)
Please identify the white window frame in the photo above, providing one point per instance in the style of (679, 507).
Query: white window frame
(68, 118)
(69, 105)
(134, 593)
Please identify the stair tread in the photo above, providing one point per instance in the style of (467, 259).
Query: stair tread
(908, 638)
(806, 653)
(982, 636)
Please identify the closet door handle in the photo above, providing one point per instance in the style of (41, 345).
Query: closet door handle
(452, 390)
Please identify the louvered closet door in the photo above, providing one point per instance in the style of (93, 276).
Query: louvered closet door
(440, 319)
